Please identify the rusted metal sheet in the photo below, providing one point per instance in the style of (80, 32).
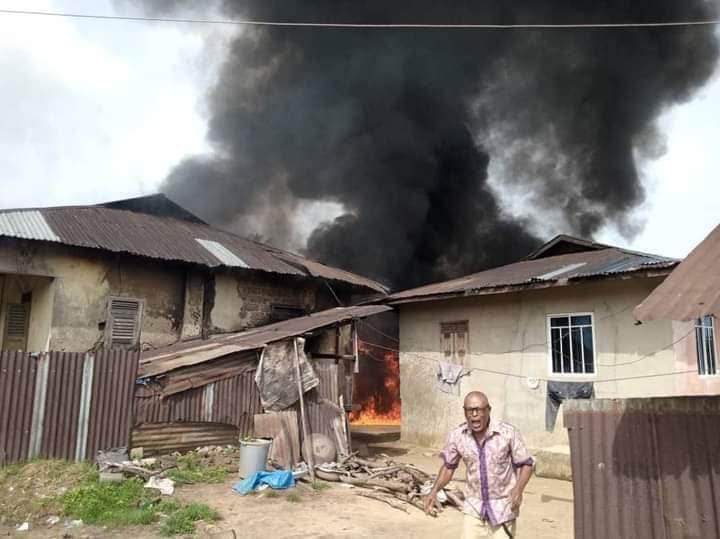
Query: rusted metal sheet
(162, 360)
(159, 438)
(150, 407)
(159, 237)
(284, 429)
(237, 400)
(645, 468)
(64, 405)
(692, 290)
(17, 387)
(111, 412)
(322, 403)
(213, 371)
(232, 401)
(543, 272)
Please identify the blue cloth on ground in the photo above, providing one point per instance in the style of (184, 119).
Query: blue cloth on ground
(279, 479)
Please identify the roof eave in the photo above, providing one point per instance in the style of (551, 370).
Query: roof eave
(538, 285)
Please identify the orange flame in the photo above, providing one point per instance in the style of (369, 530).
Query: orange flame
(382, 408)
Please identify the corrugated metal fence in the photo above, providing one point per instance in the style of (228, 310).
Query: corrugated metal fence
(645, 467)
(63, 404)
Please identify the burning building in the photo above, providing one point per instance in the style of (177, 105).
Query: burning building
(442, 151)
(377, 389)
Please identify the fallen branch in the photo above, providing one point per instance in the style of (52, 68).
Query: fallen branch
(377, 472)
(395, 486)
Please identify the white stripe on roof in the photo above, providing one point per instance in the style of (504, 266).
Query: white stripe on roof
(28, 224)
(560, 271)
(222, 253)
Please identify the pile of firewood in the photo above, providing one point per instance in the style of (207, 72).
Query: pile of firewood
(394, 483)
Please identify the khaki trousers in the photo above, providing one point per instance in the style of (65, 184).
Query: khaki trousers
(474, 527)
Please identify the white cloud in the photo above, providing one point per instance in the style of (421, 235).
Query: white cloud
(96, 110)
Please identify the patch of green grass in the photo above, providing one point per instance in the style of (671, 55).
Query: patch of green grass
(34, 489)
(38, 488)
(319, 486)
(190, 471)
(294, 497)
(129, 503)
(182, 521)
(113, 504)
(269, 493)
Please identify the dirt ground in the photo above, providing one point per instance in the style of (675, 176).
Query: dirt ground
(339, 512)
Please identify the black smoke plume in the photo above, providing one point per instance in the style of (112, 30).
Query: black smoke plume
(399, 125)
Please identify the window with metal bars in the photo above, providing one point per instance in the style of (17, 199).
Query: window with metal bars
(572, 346)
(124, 322)
(706, 347)
(454, 341)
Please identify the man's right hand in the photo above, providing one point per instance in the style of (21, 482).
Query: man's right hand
(429, 504)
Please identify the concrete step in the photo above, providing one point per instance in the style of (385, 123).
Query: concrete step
(553, 462)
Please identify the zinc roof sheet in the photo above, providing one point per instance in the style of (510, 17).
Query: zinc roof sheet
(527, 273)
(164, 238)
(26, 224)
(692, 290)
(162, 360)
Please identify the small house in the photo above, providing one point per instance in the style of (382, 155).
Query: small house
(146, 273)
(558, 324)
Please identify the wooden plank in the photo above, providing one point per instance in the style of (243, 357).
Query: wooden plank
(282, 427)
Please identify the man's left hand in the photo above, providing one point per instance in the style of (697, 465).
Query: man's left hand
(515, 499)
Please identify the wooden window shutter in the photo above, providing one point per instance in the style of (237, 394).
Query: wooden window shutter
(17, 319)
(461, 343)
(447, 344)
(124, 323)
(454, 340)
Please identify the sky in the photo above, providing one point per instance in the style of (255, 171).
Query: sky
(102, 110)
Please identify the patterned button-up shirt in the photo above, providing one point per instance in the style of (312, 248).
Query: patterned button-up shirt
(491, 468)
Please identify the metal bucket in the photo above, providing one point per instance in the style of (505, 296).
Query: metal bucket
(253, 456)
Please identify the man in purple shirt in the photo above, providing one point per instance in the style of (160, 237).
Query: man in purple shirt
(498, 465)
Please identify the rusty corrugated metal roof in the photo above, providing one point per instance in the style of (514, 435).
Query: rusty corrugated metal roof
(161, 237)
(162, 360)
(645, 468)
(692, 290)
(541, 272)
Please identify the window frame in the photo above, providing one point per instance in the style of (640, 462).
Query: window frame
(548, 329)
(454, 357)
(697, 324)
(107, 342)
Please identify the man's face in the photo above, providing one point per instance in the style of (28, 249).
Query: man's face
(477, 413)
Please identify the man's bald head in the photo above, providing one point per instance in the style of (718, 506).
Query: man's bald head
(475, 399)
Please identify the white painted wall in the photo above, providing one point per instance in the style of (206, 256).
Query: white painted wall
(508, 334)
